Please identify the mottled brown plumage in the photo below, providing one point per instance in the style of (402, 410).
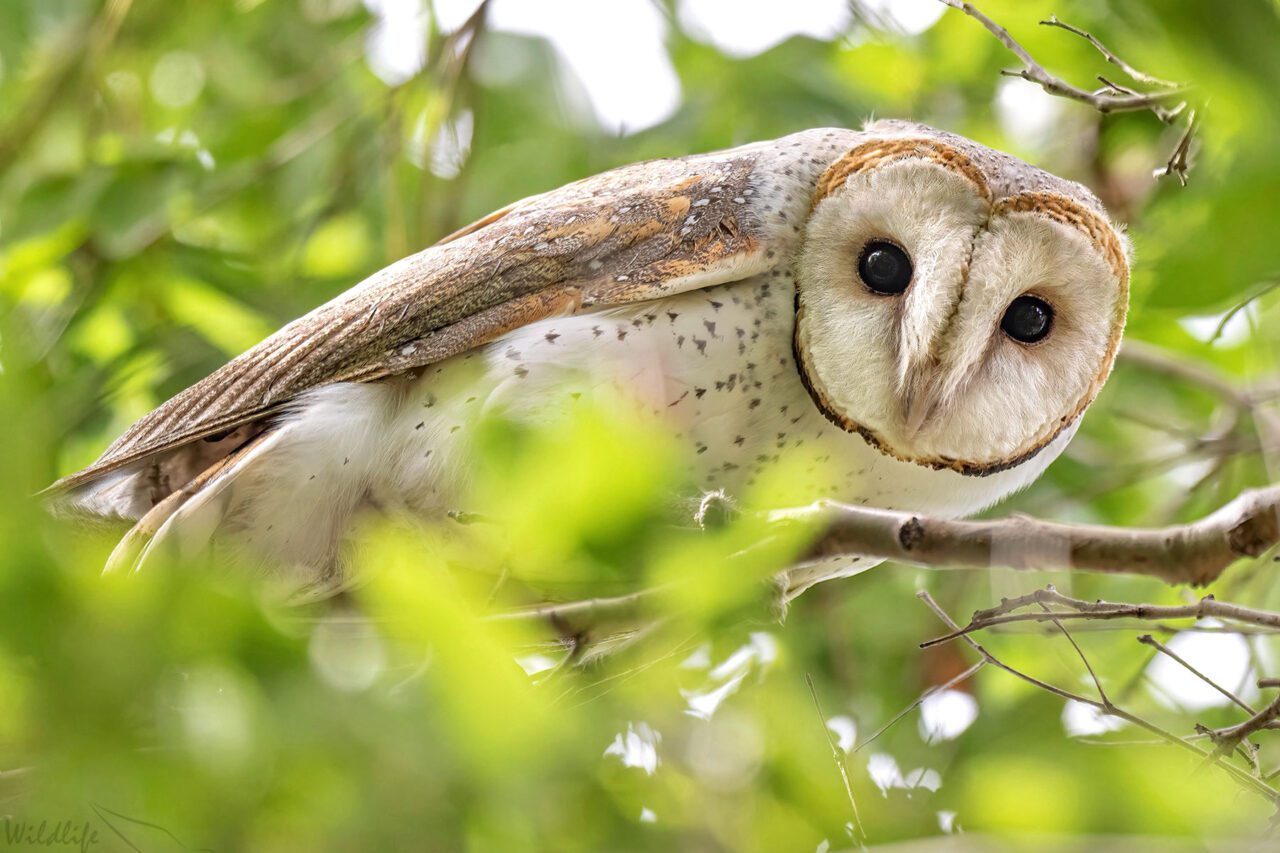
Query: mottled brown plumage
(623, 236)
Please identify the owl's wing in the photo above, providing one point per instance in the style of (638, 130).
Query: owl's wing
(636, 233)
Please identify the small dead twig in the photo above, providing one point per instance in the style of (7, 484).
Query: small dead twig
(1011, 610)
(1158, 360)
(1133, 73)
(1103, 703)
(1166, 100)
(584, 607)
(1097, 682)
(1262, 290)
(1148, 640)
(836, 756)
(1177, 164)
(1109, 99)
(1227, 740)
(937, 688)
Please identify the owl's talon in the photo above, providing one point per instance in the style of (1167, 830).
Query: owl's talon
(716, 510)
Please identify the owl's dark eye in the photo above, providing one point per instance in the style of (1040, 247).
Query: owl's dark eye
(884, 267)
(1028, 319)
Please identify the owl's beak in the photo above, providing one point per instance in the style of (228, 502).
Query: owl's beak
(921, 401)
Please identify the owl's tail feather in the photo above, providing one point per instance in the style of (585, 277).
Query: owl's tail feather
(196, 500)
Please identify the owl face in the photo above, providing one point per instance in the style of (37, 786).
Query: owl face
(957, 315)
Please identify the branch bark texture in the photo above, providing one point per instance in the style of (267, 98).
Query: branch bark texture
(1195, 553)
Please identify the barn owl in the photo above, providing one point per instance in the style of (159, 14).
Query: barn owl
(919, 319)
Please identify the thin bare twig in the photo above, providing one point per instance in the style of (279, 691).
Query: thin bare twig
(1167, 101)
(836, 756)
(924, 596)
(1159, 360)
(1105, 101)
(937, 688)
(1103, 705)
(584, 607)
(1148, 640)
(1227, 740)
(75, 56)
(1230, 737)
(1097, 682)
(1177, 163)
(1006, 612)
(1133, 73)
(1260, 291)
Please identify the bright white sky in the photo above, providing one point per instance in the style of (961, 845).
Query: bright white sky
(617, 49)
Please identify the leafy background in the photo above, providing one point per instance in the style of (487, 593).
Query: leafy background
(178, 179)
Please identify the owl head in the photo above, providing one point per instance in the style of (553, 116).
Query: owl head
(956, 307)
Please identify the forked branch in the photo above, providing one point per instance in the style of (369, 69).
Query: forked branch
(1108, 99)
(1133, 73)
(1011, 610)
(1164, 99)
(1226, 741)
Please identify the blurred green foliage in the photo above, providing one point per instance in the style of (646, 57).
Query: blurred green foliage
(176, 180)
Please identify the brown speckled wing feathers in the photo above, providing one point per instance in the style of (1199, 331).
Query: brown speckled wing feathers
(635, 233)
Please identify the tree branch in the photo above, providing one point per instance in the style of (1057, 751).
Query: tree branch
(1178, 164)
(1227, 739)
(1133, 73)
(1167, 101)
(584, 607)
(79, 52)
(1148, 640)
(1106, 100)
(1006, 613)
(1218, 757)
(1157, 360)
(1195, 553)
